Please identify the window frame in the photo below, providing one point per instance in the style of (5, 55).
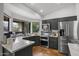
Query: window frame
(22, 26)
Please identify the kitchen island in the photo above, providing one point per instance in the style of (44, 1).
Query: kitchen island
(19, 47)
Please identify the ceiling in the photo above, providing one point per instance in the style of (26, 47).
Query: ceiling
(46, 8)
(35, 10)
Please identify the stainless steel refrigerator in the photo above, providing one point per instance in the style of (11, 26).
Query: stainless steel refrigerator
(69, 33)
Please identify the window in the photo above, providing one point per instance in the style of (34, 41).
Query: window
(17, 26)
(35, 26)
(6, 24)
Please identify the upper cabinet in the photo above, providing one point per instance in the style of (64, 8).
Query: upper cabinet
(53, 23)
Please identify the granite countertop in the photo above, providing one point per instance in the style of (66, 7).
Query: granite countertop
(18, 44)
(74, 49)
(41, 36)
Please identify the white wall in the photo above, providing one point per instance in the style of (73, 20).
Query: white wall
(63, 12)
(1, 26)
(77, 11)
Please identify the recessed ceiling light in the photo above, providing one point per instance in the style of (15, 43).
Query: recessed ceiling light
(58, 3)
(32, 3)
(41, 10)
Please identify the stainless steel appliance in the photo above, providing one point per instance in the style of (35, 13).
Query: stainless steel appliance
(68, 33)
(45, 35)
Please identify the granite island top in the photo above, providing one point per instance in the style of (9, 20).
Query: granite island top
(18, 44)
(74, 49)
(41, 36)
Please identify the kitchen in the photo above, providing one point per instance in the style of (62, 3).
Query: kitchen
(29, 34)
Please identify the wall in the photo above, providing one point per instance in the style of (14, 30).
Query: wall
(1, 26)
(63, 12)
(77, 23)
(26, 27)
(77, 11)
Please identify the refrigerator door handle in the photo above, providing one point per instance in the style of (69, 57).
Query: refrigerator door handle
(67, 29)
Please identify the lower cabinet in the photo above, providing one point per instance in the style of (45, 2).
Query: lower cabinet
(7, 53)
(34, 38)
(23, 52)
(53, 43)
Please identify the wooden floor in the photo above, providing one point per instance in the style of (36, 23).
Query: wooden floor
(42, 51)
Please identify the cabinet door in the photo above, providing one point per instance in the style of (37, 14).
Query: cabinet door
(0, 50)
(27, 51)
(36, 39)
(7, 53)
(53, 43)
